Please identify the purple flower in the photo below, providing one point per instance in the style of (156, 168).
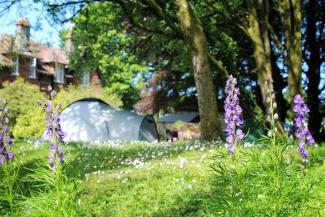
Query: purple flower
(310, 139)
(5, 139)
(304, 154)
(233, 113)
(61, 154)
(302, 132)
(239, 135)
(231, 149)
(51, 163)
(3, 151)
(9, 141)
(52, 150)
(49, 107)
(53, 129)
(2, 160)
(10, 156)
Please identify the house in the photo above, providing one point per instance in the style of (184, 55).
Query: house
(39, 64)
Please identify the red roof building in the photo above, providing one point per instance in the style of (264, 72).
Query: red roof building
(37, 63)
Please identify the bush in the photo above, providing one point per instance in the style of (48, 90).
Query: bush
(24, 111)
(73, 93)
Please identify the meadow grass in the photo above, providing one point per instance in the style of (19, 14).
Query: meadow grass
(136, 179)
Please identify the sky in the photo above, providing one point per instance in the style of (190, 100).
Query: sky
(42, 29)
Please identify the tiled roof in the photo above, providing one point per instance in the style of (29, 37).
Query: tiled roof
(6, 42)
(48, 54)
(5, 60)
(44, 53)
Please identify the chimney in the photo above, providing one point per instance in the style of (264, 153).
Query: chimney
(68, 46)
(22, 34)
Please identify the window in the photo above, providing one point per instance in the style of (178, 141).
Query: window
(32, 72)
(59, 73)
(85, 79)
(15, 71)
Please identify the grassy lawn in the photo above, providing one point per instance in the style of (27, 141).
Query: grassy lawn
(140, 179)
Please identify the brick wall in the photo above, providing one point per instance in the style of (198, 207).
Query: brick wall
(24, 69)
(44, 80)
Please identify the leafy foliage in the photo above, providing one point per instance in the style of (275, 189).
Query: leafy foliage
(119, 37)
(100, 44)
(24, 112)
(72, 93)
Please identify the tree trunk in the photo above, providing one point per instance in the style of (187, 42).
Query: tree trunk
(197, 45)
(313, 73)
(263, 66)
(290, 12)
(278, 84)
(262, 50)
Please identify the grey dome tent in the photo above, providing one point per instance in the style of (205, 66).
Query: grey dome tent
(92, 119)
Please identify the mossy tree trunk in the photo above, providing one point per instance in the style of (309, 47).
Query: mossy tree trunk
(260, 37)
(261, 49)
(197, 46)
(290, 12)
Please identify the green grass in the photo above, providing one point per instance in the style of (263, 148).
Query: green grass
(139, 179)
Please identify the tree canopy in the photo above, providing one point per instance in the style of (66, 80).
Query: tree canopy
(156, 54)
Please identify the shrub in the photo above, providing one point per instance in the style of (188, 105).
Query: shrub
(24, 111)
(73, 93)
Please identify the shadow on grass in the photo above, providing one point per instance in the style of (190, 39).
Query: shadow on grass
(25, 170)
(198, 205)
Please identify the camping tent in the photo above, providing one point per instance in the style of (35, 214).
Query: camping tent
(92, 119)
(186, 117)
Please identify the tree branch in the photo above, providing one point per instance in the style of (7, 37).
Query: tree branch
(164, 16)
(6, 5)
(218, 65)
(128, 14)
